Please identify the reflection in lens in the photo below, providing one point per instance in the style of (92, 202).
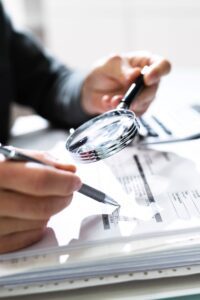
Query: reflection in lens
(103, 136)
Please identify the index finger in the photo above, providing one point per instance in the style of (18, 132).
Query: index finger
(35, 179)
(158, 67)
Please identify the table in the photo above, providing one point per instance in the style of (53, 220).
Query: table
(150, 289)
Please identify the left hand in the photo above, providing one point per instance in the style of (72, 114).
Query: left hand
(108, 81)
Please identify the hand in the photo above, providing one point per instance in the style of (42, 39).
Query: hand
(107, 82)
(30, 194)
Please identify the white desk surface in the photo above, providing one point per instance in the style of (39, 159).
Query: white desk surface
(180, 85)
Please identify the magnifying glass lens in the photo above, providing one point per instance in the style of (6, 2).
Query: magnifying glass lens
(103, 136)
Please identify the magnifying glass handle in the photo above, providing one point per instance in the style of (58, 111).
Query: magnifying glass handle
(133, 90)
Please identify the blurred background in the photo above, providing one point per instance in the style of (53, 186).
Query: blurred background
(81, 31)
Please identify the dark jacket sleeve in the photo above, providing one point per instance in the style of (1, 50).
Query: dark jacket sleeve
(41, 82)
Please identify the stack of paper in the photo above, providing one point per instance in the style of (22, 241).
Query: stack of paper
(156, 228)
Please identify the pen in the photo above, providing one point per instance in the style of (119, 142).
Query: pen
(11, 154)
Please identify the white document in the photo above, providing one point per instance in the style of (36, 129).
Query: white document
(159, 192)
(156, 228)
(166, 124)
(166, 182)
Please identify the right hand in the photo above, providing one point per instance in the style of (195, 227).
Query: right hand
(109, 79)
(30, 194)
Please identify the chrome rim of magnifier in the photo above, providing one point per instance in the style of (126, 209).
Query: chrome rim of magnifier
(99, 153)
(94, 153)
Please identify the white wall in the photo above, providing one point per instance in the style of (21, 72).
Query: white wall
(16, 10)
(80, 31)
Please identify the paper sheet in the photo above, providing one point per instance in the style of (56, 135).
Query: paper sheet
(158, 222)
(158, 191)
(167, 124)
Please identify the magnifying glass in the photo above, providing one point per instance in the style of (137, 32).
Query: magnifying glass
(108, 133)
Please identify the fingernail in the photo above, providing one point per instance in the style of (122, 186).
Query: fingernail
(77, 184)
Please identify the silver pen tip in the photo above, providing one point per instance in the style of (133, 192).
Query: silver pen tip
(109, 200)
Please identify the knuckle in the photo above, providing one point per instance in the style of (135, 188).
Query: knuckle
(115, 58)
(46, 209)
(156, 72)
(71, 184)
(168, 65)
(41, 182)
(69, 187)
(41, 224)
(63, 203)
(30, 237)
(164, 66)
(52, 206)
(69, 200)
